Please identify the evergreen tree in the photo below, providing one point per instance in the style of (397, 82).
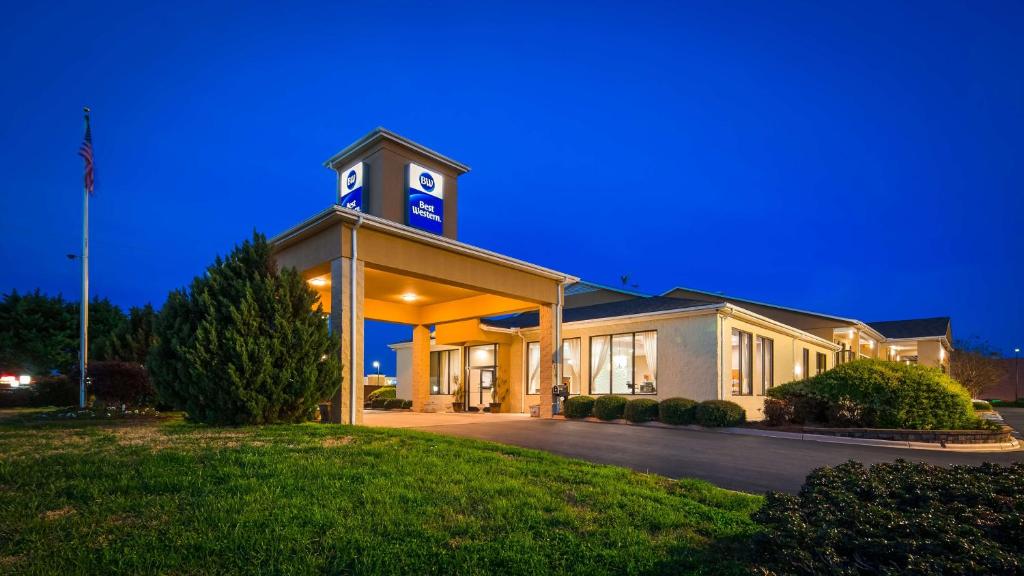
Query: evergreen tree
(38, 333)
(245, 343)
(133, 339)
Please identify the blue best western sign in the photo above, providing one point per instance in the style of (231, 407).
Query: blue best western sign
(426, 199)
(350, 189)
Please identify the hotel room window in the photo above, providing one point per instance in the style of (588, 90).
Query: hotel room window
(822, 362)
(571, 364)
(806, 363)
(533, 367)
(764, 362)
(624, 363)
(741, 363)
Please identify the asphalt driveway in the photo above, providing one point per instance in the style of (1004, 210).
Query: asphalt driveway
(748, 463)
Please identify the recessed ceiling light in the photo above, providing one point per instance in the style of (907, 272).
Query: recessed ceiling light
(409, 296)
(318, 282)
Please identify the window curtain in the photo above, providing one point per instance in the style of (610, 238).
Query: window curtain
(599, 358)
(649, 342)
(534, 364)
(571, 363)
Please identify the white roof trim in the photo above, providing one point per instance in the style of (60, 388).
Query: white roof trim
(381, 133)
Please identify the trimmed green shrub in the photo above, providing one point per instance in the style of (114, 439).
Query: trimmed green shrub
(379, 403)
(777, 412)
(245, 343)
(578, 407)
(641, 410)
(676, 411)
(880, 394)
(394, 403)
(56, 391)
(981, 405)
(407, 404)
(387, 392)
(718, 413)
(896, 518)
(121, 383)
(17, 397)
(609, 407)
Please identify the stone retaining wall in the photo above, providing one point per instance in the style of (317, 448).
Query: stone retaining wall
(1005, 434)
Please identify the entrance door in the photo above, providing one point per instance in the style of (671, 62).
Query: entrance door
(482, 372)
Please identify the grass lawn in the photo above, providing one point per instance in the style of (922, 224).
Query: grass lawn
(172, 497)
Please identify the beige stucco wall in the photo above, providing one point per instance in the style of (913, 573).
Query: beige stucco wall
(686, 353)
(932, 353)
(788, 353)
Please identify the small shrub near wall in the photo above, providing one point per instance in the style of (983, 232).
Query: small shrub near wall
(718, 413)
(641, 410)
(777, 412)
(579, 407)
(981, 405)
(379, 403)
(678, 411)
(609, 407)
(394, 404)
(896, 518)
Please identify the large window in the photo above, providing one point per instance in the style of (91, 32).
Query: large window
(742, 369)
(571, 369)
(806, 364)
(764, 362)
(624, 363)
(533, 368)
(822, 362)
(444, 370)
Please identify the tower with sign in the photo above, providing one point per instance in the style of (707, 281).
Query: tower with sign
(392, 177)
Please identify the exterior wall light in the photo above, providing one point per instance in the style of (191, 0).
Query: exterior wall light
(318, 282)
(409, 297)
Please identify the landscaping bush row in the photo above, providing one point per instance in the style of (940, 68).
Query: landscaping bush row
(384, 393)
(896, 518)
(712, 413)
(874, 394)
(390, 404)
(125, 383)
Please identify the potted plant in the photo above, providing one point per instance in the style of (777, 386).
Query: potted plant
(459, 403)
(497, 393)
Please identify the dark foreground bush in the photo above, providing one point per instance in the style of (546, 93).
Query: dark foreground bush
(121, 383)
(578, 407)
(897, 518)
(394, 403)
(880, 394)
(981, 405)
(379, 403)
(245, 343)
(609, 407)
(717, 413)
(385, 393)
(676, 411)
(641, 410)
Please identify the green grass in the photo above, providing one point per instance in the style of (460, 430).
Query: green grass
(172, 497)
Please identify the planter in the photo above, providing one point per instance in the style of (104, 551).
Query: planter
(458, 406)
(495, 407)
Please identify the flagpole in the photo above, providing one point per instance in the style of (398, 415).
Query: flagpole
(83, 355)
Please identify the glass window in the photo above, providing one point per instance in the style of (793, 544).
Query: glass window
(645, 362)
(571, 364)
(822, 362)
(764, 362)
(444, 370)
(624, 363)
(533, 368)
(806, 363)
(742, 369)
(600, 364)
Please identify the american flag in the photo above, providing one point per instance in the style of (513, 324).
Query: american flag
(85, 151)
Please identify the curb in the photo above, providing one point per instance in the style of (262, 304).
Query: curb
(1001, 447)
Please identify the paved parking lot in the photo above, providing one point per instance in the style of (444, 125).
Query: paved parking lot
(748, 463)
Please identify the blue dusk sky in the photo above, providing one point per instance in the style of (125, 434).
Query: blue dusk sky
(864, 159)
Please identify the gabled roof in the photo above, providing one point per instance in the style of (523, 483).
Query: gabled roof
(585, 286)
(915, 328)
(380, 133)
(643, 305)
(723, 297)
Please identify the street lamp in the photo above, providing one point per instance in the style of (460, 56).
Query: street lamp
(376, 365)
